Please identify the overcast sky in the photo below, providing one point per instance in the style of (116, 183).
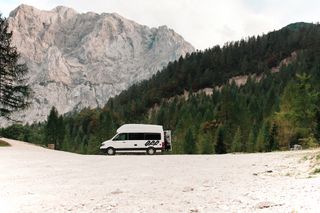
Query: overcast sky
(204, 23)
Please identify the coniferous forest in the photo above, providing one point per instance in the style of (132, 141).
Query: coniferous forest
(278, 106)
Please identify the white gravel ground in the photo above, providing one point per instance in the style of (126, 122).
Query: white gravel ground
(35, 179)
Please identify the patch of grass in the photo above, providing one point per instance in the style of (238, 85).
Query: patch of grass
(318, 157)
(3, 143)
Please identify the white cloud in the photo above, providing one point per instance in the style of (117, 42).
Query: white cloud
(203, 23)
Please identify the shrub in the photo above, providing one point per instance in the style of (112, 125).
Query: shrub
(3, 143)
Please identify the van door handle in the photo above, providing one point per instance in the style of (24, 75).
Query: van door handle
(135, 144)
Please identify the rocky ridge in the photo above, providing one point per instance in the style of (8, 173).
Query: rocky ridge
(79, 60)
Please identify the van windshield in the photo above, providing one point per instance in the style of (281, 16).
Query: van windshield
(121, 137)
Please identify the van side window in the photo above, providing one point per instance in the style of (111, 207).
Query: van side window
(121, 137)
(152, 136)
(136, 136)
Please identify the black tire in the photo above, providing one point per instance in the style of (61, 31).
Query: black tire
(110, 151)
(151, 151)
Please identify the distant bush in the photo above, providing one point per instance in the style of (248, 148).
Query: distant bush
(3, 143)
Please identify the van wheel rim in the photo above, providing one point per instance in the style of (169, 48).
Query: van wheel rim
(110, 151)
(151, 151)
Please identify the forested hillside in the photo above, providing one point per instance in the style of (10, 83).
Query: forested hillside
(272, 111)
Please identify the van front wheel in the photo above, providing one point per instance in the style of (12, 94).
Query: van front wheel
(151, 151)
(111, 151)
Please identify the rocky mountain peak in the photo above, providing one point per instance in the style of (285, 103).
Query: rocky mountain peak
(79, 60)
(65, 12)
(21, 9)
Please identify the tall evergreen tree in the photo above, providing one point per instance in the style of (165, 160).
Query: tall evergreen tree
(52, 129)
(236, 145)
(250, 145)
(220, 147)
(262, 139)
(272, 140)
(317, 126)
(14, 92)
(60, 131)
(189, 143)
(205, 143)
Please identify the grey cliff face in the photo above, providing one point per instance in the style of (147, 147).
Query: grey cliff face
(81, 60)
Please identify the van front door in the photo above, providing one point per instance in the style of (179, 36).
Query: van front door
(120, 141)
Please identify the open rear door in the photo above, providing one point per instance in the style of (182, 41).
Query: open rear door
(167, 139)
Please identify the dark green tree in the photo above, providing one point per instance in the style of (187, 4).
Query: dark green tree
(189, 145)
(317, 126)
(251, 142)
(52, 129)
(60, 131)
(272, 139)
(236, 145)
(205, 143)
(262, 139)
(220, 147)
(14, 92)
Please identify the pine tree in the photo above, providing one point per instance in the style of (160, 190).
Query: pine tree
(84, 145)
(93, 145)
(220, 147)
(236, 145)
(14, 92)
(272, 140)
(251, 142)
(51, 130)
(262, 139)
(317, 126)
(160, 116)
(66, 144)
(60, 132)
(205, 143)
(189, 144)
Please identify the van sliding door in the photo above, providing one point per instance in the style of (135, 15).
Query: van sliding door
(136, 141)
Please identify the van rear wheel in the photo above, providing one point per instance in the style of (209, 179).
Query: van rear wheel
(111, 151)
(151, 151)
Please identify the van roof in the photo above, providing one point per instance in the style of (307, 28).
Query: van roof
(139, 128)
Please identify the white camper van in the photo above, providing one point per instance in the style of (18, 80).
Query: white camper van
(138, 138)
